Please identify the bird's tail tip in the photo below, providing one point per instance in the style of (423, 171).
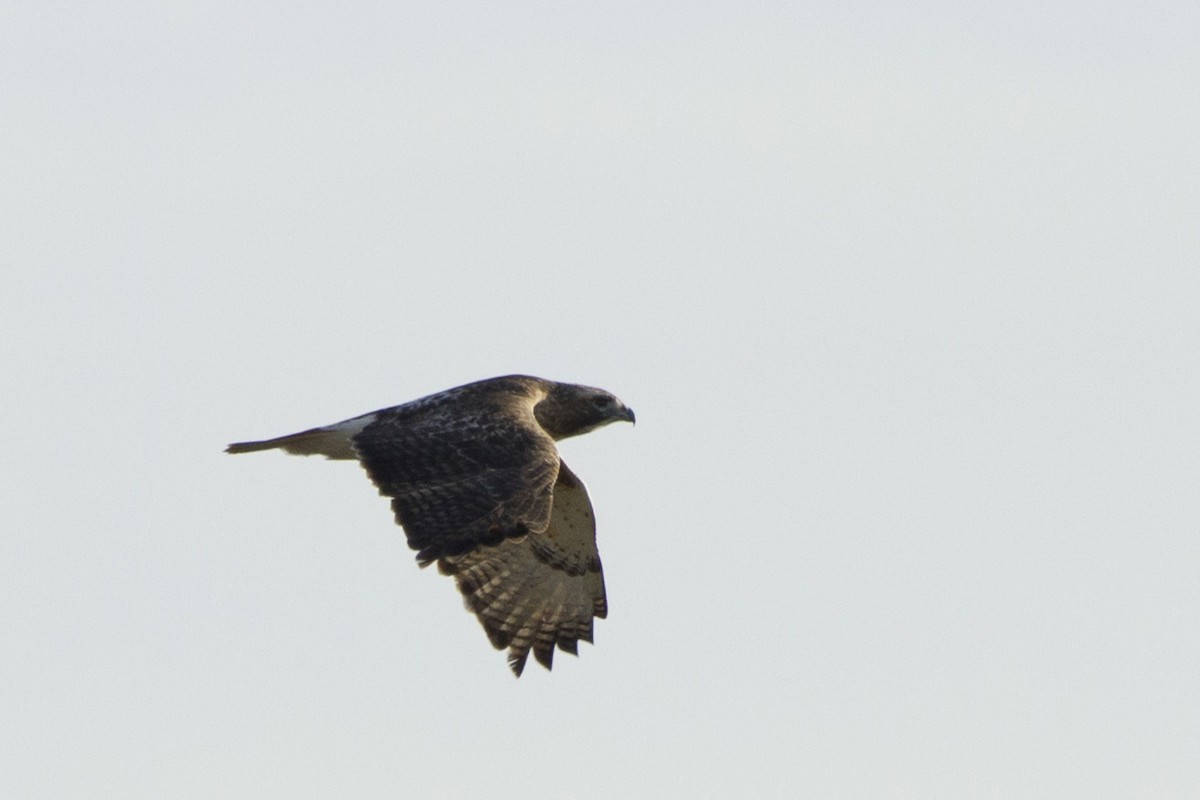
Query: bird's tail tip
(332, 441)
(250, 447)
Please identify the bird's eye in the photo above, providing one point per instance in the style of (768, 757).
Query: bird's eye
(601, 401)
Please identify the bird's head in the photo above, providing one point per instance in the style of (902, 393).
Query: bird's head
(570, 410)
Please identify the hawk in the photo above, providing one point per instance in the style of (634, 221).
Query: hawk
(478, 486)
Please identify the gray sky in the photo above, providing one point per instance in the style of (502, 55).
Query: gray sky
(905, 297)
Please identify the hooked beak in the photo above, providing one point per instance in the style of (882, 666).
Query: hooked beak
(627, 414)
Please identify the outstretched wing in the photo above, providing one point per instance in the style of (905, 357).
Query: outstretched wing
(467, 472)
(542, 589)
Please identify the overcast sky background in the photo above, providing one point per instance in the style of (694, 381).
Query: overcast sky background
(906, 297)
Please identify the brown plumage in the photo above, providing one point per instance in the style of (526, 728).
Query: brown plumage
(478, 486)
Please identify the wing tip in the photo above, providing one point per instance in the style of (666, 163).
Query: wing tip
(516, 661)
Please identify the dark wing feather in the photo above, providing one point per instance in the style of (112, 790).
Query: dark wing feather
(540, 590)
(462, 469)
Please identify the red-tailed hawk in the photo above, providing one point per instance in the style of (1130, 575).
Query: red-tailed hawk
(478, 486)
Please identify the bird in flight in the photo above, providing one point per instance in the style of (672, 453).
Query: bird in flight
(477, 483)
